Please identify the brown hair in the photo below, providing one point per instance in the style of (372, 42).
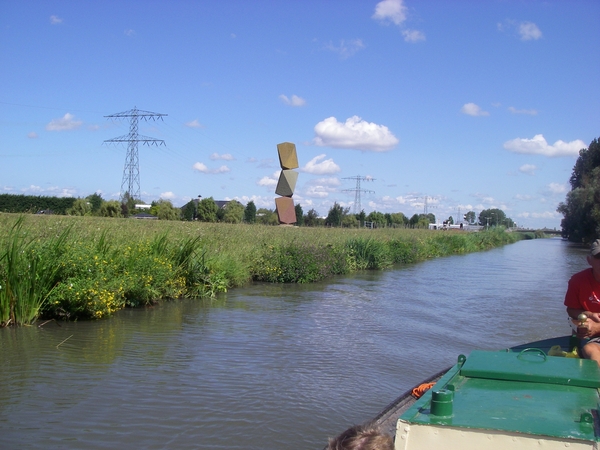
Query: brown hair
(362, 438)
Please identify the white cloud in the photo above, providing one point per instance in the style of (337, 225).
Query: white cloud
(129, 32)
(65, 123)
(201, 167)
(224, 156)
(167, 195)
(413, 35)
(269, 181)
(529, 31)
(531, 112)
(318, 167)
(390, 10)
(538, 146)
(317, 191)
(346, 48)
(32, 135)
(557, 188)
(294, 101)
(471, 109)
(55, 20)
(523, 197)
(355, 133)
(194, 124)
(529, 169)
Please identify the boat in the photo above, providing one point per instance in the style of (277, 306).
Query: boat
(521, 397)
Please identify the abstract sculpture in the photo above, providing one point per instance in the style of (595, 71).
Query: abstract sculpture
(288, 160)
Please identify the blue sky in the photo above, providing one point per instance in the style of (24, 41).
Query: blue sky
(449, 106)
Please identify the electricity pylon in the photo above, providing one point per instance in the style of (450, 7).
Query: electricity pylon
(131, 172)
(358, 190)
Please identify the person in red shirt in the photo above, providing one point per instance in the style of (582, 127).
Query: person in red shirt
(583, 297)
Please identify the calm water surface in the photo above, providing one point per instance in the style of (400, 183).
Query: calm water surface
(271, 366)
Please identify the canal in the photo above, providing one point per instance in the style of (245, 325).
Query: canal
(273, 366)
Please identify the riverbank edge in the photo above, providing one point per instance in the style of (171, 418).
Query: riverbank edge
(74, 268)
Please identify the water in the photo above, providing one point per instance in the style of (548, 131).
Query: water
(271, 366)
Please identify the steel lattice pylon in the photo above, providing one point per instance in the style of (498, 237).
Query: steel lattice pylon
(131, 171)
(358, 190)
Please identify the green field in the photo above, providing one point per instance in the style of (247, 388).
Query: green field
(89, 267)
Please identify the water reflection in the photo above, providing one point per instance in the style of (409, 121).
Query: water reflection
(272, 366)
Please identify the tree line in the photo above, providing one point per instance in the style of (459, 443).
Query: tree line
(581, 208)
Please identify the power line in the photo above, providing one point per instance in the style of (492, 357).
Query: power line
(131, 171)
(358, 190)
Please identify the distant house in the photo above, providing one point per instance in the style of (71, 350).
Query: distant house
(143, 206)
(221, 203)
(144, 216)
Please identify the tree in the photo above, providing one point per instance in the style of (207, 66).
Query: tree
(470, 217)
(95, 201)
(312, 218)
(361, 217)
(188, 211)
(207, 210)
(266, 216)
(492, 217)
(398, 219)
(378, 218)
(581, 209)
(166, 211)
(335, 215)
(299, 215)
(111, 208)
(233, 212)
(250, 212)
(450, 220)
(81, 207)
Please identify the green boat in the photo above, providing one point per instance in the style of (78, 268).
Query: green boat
(518, 398)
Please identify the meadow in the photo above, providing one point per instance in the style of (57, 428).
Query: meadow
(74, 268)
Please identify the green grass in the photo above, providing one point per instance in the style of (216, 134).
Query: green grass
(89, 267)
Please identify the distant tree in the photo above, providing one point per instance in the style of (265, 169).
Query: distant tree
(188, 211)
(491, 217)
(266, 216)
(414, 220)
(207, 210)
(166, 211)
(312, 218)
(299, 214)
(470, 217)
(378, 218)
(349, 221)
(95, 201)
(81, 207)
(111, 208)
(250, 212)
(335, 215)
(361, 217)
(233, 212)
(581, 209)
(398, 219)
(423, 221)
(430, 217)
(450, 220)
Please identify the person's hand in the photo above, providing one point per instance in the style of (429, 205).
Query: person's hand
(591, 327)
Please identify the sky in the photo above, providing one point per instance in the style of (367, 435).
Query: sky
(405, 106)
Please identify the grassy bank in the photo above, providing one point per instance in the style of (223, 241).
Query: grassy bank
(89, 267)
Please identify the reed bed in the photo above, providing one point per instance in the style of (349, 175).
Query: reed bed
(89, 267)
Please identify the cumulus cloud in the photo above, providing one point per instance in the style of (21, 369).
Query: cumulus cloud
(531, 112)
(529, 31)
(529, 169)
(167, 195)
(32, 135)
(293, 101)
(413, 35)
(390, 11)
(471, 109)
(224, 156)
(194, 124)
(55, 20)
(538, 146)
(557, 188)
(65, 123)
(201, 167)
(346, 49)
(355, 133)
(321, 166)
(269, 181)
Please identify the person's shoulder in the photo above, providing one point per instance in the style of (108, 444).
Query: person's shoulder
(581, 276)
